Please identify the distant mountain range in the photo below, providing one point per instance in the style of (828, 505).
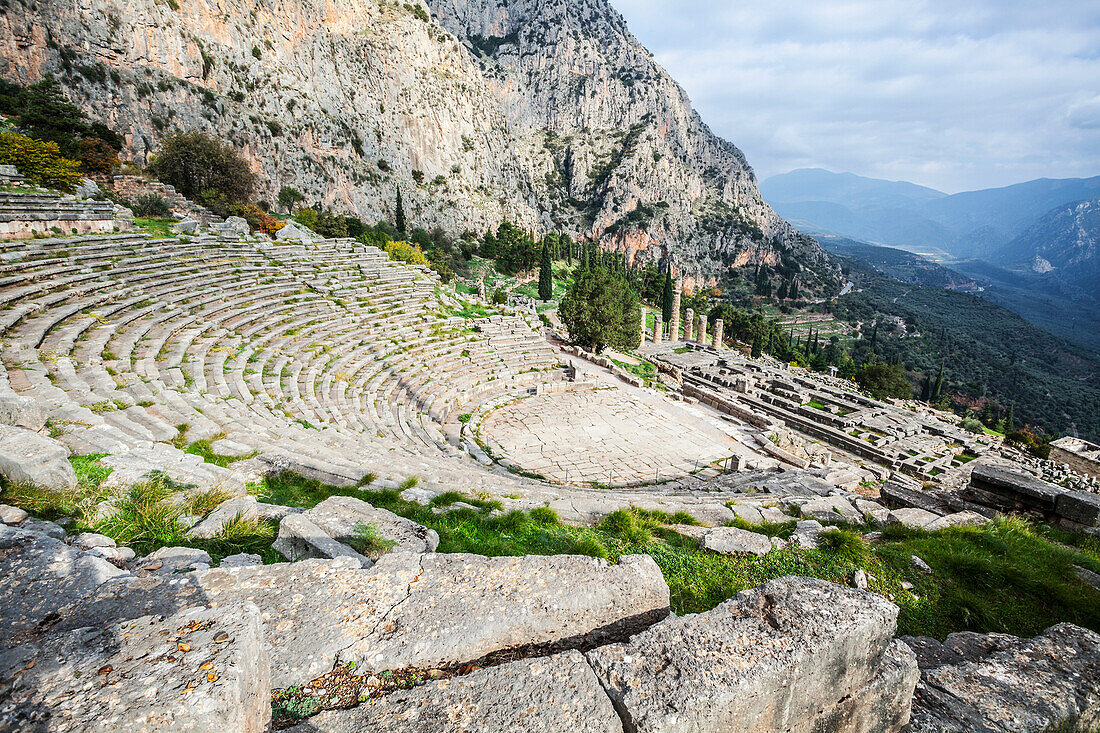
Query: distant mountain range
(1032, 247)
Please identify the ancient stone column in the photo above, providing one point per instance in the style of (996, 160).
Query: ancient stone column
(658, 328)
(674, 324)
(689, 322)
(642, 342)
(701, 331)
(718, 328)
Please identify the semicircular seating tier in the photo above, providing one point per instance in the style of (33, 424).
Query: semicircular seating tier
(326, 350)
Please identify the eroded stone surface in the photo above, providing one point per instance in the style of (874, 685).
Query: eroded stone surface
(28, 457)
(342, 517)
(408, 610)
(734, 541)
(771, 658)
(556, 693)
(43, 579)
(1049, 682)
(145, 674)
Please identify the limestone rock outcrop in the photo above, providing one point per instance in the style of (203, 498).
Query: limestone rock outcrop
(994, 683)
(784, 656)
(197, 670)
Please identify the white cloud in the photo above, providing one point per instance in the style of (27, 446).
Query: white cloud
(956, 95)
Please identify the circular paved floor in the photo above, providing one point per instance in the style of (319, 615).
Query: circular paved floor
(625, 436)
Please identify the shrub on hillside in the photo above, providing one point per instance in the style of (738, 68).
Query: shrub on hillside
(40, 161)
(149, 206)
(204, 168)
(405, 252)
(971, 425)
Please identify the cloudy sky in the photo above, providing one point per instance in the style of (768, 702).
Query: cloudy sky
(954, 94)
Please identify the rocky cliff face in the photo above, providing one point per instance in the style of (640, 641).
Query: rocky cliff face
(546, 112)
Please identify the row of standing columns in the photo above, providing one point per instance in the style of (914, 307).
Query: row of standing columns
(697, 334)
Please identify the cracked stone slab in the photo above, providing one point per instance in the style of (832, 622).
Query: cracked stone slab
(556, 693)
(1049, 682)
(28, 457)
(43, 579)
(407, 610)
(769, 659)
(198, 670)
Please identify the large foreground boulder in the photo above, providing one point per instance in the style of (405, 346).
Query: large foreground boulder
(792, 654)
(994, 683)
(28, 457)
(43, 579)
(198, 670)
(22, 412)
(556, 693)
(408, 610)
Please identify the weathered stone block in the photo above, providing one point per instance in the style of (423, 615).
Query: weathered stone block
(22, 412)
(407, 610)
(32, 458)
(43, 579)
(342, 517)
(769, 659)
(1050, 682)
(734, 541)
(1081, 507)
(198, 670)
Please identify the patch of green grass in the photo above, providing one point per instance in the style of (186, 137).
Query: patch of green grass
(205, 450)
(409, 483)
(156, 227)
(369, 541)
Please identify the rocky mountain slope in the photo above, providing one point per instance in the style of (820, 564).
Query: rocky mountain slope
(547, 113)
(1064, 244)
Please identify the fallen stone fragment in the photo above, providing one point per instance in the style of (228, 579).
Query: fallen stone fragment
(877, 513)
(806, 533)
(28, 457)
(50, 529)
(775, 658)
(734, 541)
(171, 559)
(43, 579)
(1087, 576)
(1050, 682)
(301, 539)
(691, 531)
(408, 610)
(958, 519)
(419, 495)
(11, 514)
(88, 540)
(240, 560)
(775, 515)
(912, 517)
(831, 509)
(143, 675)
(244, 507)
(344, 517)
(747, 513)
(920, 565)
(22, 412)
(556, 693)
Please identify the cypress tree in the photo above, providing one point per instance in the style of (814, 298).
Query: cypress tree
(399, 215)
(546, 279)
(792, 291)
(666, 301)
(756, 346)
(782, 294)
(1010, 420)
(926, 390)
(938, 389)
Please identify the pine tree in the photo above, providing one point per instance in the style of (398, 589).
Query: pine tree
(399, 222)
(666, 301)
(546, 278)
